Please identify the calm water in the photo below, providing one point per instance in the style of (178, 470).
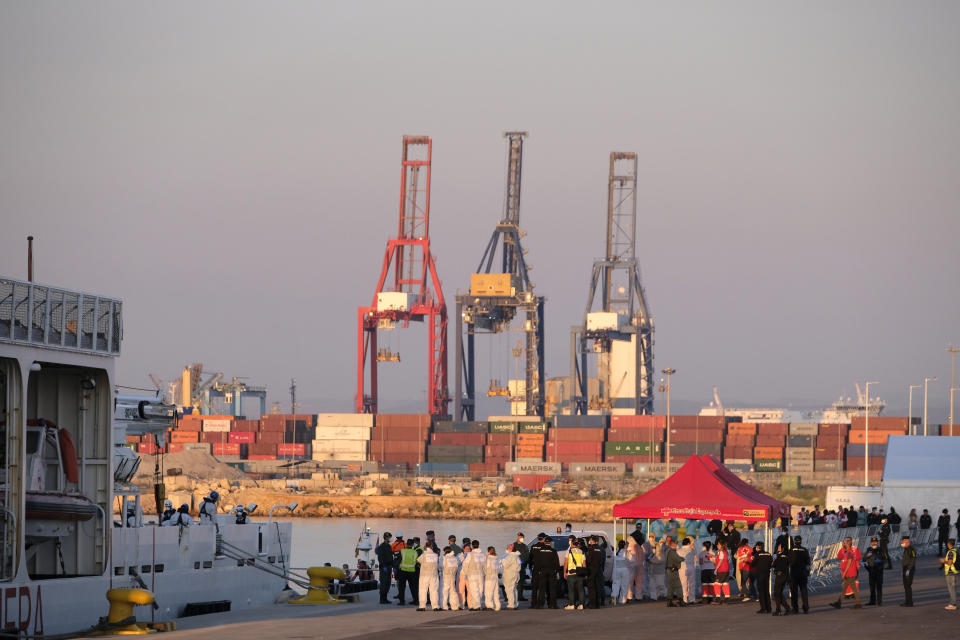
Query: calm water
(333, 540)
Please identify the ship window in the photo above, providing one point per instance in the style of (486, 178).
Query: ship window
(146, 568)
(208, 564)
(118, 571)
(132, 571)
(271, 559)
(158, 568)
(240, 563)
(196, 565)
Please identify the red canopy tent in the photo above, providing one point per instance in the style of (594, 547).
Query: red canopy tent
(697, 491)
(778, 508)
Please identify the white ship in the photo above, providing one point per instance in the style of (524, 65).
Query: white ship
(60, 549)
(840, 412)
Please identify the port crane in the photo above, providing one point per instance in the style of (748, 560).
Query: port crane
(499, 290)
(408, 289)
(620, 332)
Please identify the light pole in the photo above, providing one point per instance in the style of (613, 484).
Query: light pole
(953, 351)
(925, 381)
(910, 411)
(866, 434)
(668, 372)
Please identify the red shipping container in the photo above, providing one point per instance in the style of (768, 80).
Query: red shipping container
(564, 448)
(769, 440)
(260, 456)
(497, 451)
(886, 423)
(226, 449)
(576, 435)
(635, 422)
(696, 435)
(214, 437)
(460, 438)
(133, 439)
(500, 438)
(271, 437)
(397, 457)
(292, 449)
(874, 476)
(828, 453)
(641, 434)
(401, 433)
(262, 448)
(147, 448)
(421, 420)
(484, 468)
(857, 464)
(827, 442)
(698, 422)
(531, 482)
(245, 425)
(740, 440)
(833, 429)
(174, 447)
(242, 437)
(189, 425)
(772, 429)
(398, 446)
(499, 460)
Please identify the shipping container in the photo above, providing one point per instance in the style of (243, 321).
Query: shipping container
(740, 453)
(858, 450)
(271, 437)
(770, 440)
(696, 435)
(452, 468)
(698, 422)
(399, 433)
(530, 439)
(696, 448)
(344, 420)
(888, 423)
(397, 446)
(227, 449)
(342, 433)
(580, 421)
(772, 429)
(454, 459)
(639, 434)
(260, 456)
(245, 425)
(147, 448)
(638, 422)
(497, 451)
(800, 453)
(741, 440)
(576, 434)
(773, 464)
(834, 429)
(448, 426)
(631, 460)
(501, 438)
(484, 468)
(184, 436)
(831, 441)
(747, 462)
(501, 428)
(262, 449)
(645, 449)
(455, 450)
(291, 449)
(742, 428)
(242, 437)
(801, 441)
(800, 466)
(829, 453)
(533, 427)
(202, 447)
(827, 465)
(528, 451)
(190, 423)
(174, 447)
(804, 428)
(562, 449)
(856, 463)
(421, 420)
(873, 437)
(767, 453)
(459, 438)
(214, 437)
(531, 482)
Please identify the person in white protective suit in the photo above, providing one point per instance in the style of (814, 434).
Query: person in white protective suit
(491, 581)
(637, 554)
(622, 574)
(464, 557)
(473, 567)
(688, 573)
(429, 579)
(656, 579)
(510, 564)
(451, 567)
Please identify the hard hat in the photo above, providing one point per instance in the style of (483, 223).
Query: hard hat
(214, 495)
(168, 504)
(399, 534)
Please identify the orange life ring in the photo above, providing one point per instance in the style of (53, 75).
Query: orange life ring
(68, 456)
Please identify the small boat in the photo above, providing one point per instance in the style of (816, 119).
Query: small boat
(59, 506)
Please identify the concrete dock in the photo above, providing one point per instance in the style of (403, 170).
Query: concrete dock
(367, 619)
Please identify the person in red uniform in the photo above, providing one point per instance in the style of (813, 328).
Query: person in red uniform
(722, 585)
(849, 557)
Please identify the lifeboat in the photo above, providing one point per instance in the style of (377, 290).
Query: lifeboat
(59, 506)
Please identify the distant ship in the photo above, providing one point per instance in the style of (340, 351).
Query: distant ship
(840, 412)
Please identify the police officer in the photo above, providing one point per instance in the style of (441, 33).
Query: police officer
(943, 530)
(883, 535)
(521, 547)
(168, 512)
(673, 565)
(534, 580)
(874, 560)
(762, 563)
(595, 562)
(781, 573)
(385, 560)
(909, 564)
(546, 563)
(799, 572)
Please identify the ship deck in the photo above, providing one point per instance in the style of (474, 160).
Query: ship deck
(368, 619)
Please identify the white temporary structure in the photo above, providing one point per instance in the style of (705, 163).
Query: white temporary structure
(921, 472)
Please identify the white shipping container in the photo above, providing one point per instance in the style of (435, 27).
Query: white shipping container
(344, 419)
(339, 455)
(218, 425)
(342, 446)
(804, 428)
(327, 434)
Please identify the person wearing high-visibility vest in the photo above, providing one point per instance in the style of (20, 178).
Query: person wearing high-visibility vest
(950, 563)
(573, 568)
(407, 574)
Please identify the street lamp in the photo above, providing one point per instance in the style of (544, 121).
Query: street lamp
(953, 351)
(866, 434)
(952, 389)
(668, 372)
(910, 411)
(925, 381)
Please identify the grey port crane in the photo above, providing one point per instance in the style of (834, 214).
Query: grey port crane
(622, 326)
(496, 297)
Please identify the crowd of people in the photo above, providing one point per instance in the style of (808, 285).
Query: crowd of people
(656, 566)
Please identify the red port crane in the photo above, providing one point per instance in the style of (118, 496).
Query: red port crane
(413, 291)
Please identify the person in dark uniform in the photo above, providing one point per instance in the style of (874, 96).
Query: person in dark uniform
(909, 564)
(546, 563)
(534, 580)
(925, 520)
(762, 563)
(385, 560)
(673, 566)
(883, 536)
(520, 546)
(637, 534)
(799, 572)
(781, 574)
(783, 539)
(943, 531)
(873, 560)
(595, 573)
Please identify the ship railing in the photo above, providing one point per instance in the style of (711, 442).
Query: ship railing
(46, 316)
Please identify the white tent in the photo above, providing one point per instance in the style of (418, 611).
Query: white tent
(922, 472)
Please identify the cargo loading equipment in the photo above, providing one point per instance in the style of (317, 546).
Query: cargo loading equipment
(621, 331)
(495, 298)
(414, 292)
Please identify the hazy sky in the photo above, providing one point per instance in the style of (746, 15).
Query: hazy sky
(231, 170)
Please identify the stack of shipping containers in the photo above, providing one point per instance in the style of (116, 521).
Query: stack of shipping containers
(738, 449)
(342, 436)
(398, 440)
(501, 439)
(801, 447)
(531, 439)
(576, 439)
(830, 448)
(695, 435)
(635, 439)
(769, 447)
(459, 443)
(871, 444)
